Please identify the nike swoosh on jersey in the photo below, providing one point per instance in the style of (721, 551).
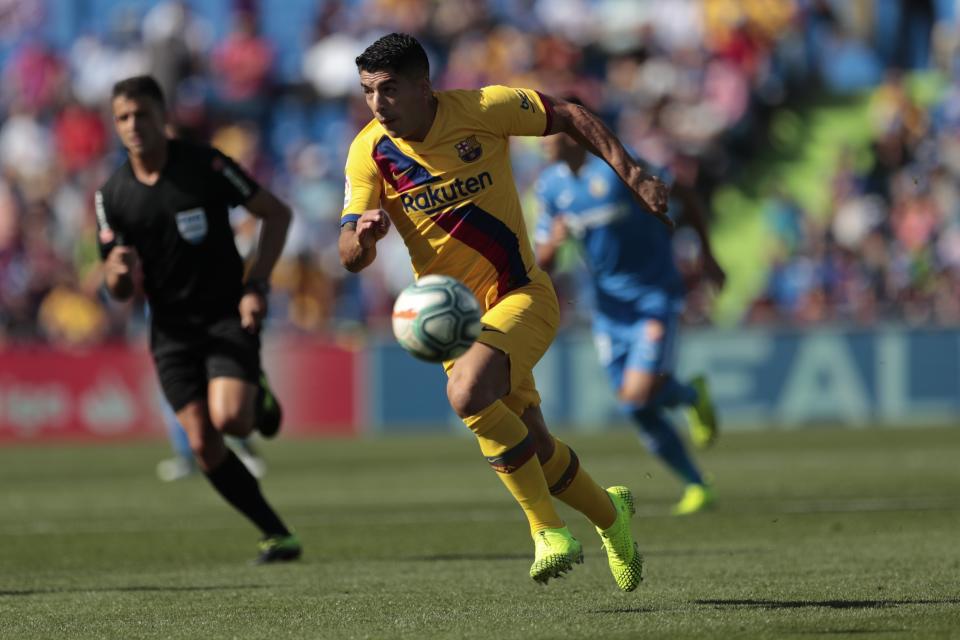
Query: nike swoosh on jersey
(397, 176)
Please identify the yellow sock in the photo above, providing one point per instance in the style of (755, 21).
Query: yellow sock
(571, 483)
(510, 450)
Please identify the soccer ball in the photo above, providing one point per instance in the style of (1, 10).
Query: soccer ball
(436, 318)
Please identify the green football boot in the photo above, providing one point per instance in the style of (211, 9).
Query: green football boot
(696, 498)
(278, 548)
(269, 413)
(556, 552)
(623, 555)
(702, 416)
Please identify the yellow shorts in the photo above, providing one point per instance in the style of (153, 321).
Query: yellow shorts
(522, 325)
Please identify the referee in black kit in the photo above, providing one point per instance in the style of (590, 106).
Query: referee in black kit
(167, 207)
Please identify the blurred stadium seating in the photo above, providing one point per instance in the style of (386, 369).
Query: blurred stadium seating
(825, 135)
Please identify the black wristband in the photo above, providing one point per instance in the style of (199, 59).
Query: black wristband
(260, 287)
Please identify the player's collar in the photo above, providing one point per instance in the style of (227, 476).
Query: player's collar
(434, 126)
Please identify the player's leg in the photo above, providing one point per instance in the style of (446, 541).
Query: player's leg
(233, 368)
(231, 401)
(234, 401)
(567, 480)
(478, 380)
(570, 483)
(249, 455)
(269, 413)
(694, 397)
(207, 443)
(240, 351)
(647, 367)
(639, 397)
(182, 464)
(490, 386)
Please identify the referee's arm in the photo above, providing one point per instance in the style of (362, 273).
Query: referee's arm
(118, 271)
(276, 216)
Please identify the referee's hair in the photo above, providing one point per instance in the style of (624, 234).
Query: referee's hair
(139, 87)
(396, 52)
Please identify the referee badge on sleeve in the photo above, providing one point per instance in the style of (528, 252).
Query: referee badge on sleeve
(192, 225)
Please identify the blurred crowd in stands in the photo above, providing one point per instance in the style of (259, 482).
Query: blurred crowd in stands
(688, 84)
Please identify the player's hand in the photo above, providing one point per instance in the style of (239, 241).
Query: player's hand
(121, 261)
(371, 227)
(713, 271)
(253, 309)
(559, 232)
(654, 194)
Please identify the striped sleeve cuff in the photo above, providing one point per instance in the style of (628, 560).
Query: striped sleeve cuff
(348, 218)
(548, 110)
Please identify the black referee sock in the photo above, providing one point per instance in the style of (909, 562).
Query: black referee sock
(238, 487)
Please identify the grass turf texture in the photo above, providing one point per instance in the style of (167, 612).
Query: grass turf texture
(819, 533)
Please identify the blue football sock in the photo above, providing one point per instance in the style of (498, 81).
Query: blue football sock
(661, 439)
(674, 393)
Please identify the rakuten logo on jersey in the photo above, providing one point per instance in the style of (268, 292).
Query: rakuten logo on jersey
(433, 199)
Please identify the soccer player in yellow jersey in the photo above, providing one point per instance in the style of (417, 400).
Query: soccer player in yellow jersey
(436, 165)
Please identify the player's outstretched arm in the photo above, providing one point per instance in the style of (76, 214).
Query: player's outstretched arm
(358, 240)
(590, 131)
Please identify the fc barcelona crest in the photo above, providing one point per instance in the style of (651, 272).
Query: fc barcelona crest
(469, 149)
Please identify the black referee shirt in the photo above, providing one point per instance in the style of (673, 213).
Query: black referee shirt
(180, 226)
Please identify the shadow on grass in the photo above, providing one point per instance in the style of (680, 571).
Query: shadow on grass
(455, 557)
(705, 552)
(844, 632)
(130, 589)
(829, 604)
(628, 610)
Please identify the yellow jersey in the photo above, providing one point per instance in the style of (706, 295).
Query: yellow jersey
(452, 197)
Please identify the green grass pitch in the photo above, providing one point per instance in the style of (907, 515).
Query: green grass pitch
(819, 534)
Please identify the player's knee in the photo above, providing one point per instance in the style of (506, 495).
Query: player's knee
(232, 422)
(468, 395)
(635, 396)
(640, 390)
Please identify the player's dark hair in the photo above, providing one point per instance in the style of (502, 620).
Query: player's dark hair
(573, 99)
(396, 52)
(139, 87)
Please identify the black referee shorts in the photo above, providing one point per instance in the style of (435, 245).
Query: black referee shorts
(187, 356)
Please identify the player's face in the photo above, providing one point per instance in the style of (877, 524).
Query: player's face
(140, 124)
(400, 103)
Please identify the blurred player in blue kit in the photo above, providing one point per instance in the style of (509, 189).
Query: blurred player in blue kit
(638, 295)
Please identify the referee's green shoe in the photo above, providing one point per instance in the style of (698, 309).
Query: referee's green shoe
(702, 416)
(269, 413)
(279, 548)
